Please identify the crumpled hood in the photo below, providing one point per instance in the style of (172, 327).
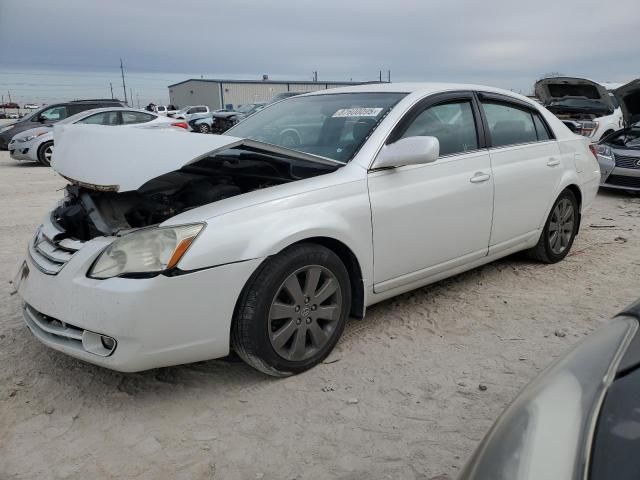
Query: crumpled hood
(556, 88)
(121, 160)
(628, 96)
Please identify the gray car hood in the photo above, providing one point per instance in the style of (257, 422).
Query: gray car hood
(628, 96)
(120, 160)
(551, 89)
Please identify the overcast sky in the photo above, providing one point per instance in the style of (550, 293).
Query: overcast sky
(70, 45)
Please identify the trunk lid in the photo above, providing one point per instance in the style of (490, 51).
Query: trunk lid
(121, 160)
(628, 96)
(553, 89)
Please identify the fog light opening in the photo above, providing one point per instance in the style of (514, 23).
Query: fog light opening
(108, 342)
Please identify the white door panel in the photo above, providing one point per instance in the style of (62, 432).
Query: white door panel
(427, 215)
(525, 178)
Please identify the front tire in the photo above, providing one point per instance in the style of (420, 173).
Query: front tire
(559, 230)
(45, 152)
(204, 128)
(292, 311)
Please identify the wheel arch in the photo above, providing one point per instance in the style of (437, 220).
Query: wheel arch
(352, 264)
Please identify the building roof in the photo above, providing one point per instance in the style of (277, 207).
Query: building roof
(278, 82)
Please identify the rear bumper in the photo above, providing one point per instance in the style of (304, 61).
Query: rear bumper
(620, 178)
(155, 322)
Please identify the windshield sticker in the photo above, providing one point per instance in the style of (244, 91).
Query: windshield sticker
(357, 112)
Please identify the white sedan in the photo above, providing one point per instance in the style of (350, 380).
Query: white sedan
(170, 249)
(36, 144)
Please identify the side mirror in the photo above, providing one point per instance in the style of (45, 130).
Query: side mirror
(42, 118)
(408, 151)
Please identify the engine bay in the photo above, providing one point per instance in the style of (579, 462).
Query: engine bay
(86, 213)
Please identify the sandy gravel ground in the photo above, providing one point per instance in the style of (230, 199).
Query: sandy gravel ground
(398, 399)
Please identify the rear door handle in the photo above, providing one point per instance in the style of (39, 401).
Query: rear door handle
(553, 162)
(480, 177)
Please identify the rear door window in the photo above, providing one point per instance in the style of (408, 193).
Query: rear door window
(541, 128)
(129, 118)
(102, 118)
(509, 125)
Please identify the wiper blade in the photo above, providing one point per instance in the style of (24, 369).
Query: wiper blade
(288, 152)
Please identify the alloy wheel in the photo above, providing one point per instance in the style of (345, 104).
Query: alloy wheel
(304, 312)
(48, 153)
(561, 226)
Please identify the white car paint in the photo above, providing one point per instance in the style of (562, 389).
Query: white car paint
(605, 123)
(191, 112)
(427, 222)
(161, 110)
(25, 145)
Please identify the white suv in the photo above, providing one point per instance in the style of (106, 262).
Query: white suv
(586, 107)
(188, 113)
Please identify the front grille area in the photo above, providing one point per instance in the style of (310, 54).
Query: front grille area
(51, 326)
(50, 250)
(625, 161)
(623, 181)
(56, 331)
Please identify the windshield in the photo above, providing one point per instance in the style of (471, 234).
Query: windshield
(249, 108)
(331, 125)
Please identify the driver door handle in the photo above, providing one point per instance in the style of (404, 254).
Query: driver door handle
(480, 177)
(553, 162)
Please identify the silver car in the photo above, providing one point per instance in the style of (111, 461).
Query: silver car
(36, 144)
(619, 152)
(578, 420)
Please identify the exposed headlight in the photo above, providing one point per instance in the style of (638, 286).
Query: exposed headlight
(605, 152)
(145, 252)
(31, 137)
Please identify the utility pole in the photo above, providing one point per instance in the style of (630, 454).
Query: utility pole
(138, 97)
(315, 76)
(9, 92)
(380, 76)
(124, 86)
(389, 76)
(111, 86)
(131, 96)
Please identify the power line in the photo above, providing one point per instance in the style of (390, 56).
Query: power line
(124, 86)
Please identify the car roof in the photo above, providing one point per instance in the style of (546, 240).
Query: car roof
(93, 111)
(425, 88)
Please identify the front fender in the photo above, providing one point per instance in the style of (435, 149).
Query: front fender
(339, 212)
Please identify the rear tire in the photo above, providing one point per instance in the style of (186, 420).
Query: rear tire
(559, 230)
(45, 152)
(292, 311)
(204, 128)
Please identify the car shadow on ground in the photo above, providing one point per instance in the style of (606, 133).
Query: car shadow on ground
(21, 164)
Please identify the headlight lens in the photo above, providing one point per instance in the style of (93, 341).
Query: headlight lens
(31, 137)
(144, 252)
(605, 152)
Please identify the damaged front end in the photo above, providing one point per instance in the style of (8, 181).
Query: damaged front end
(149, 183)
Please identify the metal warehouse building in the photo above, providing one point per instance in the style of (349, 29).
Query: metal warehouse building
(232, 93)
